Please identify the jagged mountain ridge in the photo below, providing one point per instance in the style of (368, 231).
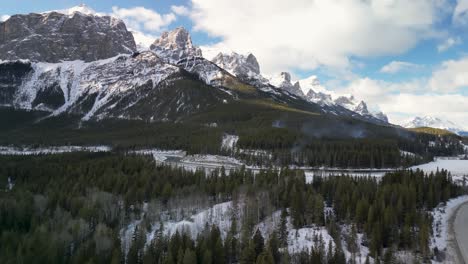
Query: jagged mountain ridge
(247, 69)
(125, 86)
(111, 87)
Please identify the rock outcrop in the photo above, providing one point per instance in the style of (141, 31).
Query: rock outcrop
(68, 36)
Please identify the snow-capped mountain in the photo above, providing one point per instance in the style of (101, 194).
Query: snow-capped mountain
(319, 97)
(65, 35)
(315, 92)
(175, 46)
(243, 67)
(312, 83)
(434, 122)
(139, 86)
(360, 107)
(247, 69)
(283, 81)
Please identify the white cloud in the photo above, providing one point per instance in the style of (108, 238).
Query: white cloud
(448, 43)
(180, 10)
(143, 19)
(304, 34)
(451, 76)
(460, 14)
(143, 40)
(4, 18)
(398, 66)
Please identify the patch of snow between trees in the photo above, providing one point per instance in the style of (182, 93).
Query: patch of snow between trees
(51, 150)
(229, 142)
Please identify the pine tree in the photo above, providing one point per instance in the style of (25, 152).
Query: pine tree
(259, 243)
(189, 257)
(283, 231)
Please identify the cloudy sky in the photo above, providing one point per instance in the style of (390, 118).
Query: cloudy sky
(406, 58)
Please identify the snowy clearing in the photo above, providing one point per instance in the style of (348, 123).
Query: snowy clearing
(458, 168)
(162, 155)
(229, 142)
(407, 153)
(51, 150)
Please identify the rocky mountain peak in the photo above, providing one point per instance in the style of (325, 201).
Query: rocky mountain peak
(346, 102)
(319, 97)
(283, 81)
(175, 45)
(381, 116)
(237, 64)
(286, 76)
(74, 34)
(252, 61)
(361, 108)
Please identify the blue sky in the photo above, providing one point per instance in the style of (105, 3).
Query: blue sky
(391, 53)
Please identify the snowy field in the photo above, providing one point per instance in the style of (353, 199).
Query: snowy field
(310, 174)
(51, 150)
(458, 168)
(162, 155)
(455, 166)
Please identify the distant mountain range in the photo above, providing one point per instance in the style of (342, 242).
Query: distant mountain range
(435, 122)
(82, 62)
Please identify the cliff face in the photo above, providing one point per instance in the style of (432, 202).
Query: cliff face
(54, 37)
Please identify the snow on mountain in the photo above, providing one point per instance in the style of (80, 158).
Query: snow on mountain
(243, 67)
(313, 83)
(319, 97)
(381, 116)
(360, 107)
(78, 33)
(175, 46)
(434, 122)
(72, 85)
(283, 81)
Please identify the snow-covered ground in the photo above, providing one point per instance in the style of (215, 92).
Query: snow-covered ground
(458, 168)
(162, 155)
(51, 150)
(219, 215)
(440, 228)
(310, 174)
(10, 184)
(407, 153)
(229, 142)
(210, 161)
